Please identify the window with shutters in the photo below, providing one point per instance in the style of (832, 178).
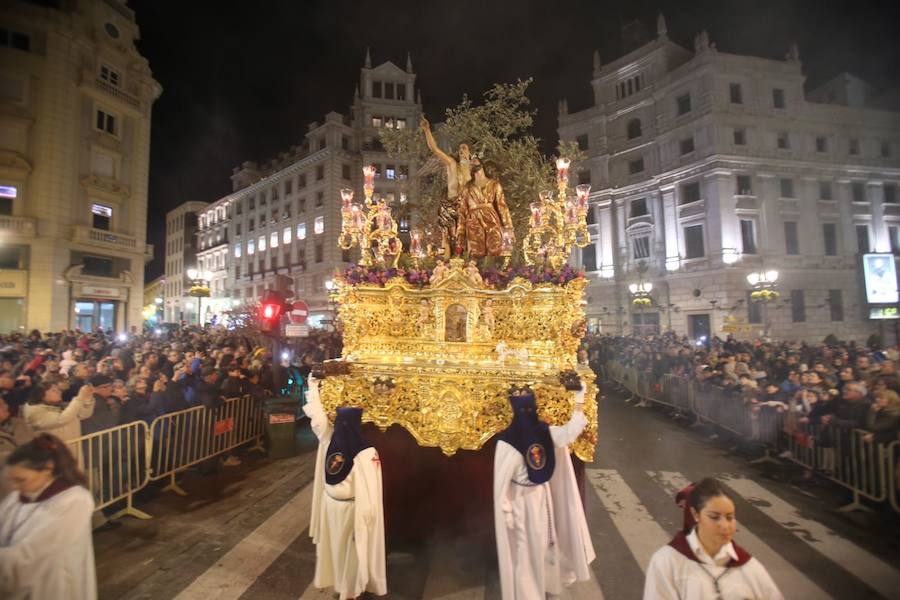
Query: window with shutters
(693, 242)
(791, 240)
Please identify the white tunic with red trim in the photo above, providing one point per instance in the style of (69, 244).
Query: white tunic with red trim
(543, 542)
(674, 576)
(347, 519)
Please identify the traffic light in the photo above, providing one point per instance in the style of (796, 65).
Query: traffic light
(270, 312)
(283, 285)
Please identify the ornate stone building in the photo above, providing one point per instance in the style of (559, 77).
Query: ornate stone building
(283, 216)
(707, 166)
(75, 102)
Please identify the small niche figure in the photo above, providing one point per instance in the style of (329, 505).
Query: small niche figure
(487, 314)
(347, 520)
(543, 542)
(424, 313)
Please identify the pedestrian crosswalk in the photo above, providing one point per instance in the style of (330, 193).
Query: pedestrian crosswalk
(638, 505)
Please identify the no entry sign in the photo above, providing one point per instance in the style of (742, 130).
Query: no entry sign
(299, 313)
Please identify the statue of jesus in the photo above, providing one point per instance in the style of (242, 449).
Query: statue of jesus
(458, 175)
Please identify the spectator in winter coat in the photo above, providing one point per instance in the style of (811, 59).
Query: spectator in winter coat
(850, 410)
(233, 385)
(15, 390)
(106, 406)
(45, 413)
(883, 418)
(14, 432)
(207, 391)
(135, 403)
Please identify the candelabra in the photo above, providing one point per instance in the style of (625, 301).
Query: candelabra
(557, 224)
(371, 226)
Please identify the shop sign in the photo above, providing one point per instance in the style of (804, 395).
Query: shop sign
(95, 291)
(279, 418)
(13, 283)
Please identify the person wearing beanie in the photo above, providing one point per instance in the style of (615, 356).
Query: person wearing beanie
(543, 542)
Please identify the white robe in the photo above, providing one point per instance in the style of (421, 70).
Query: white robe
(347, 519)
(526, 516)
(46, 548)
(673, 576)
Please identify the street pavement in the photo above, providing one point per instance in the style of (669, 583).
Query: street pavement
(242, 533)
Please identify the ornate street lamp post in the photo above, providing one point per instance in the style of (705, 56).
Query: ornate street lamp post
(199, 289)
(763, 284)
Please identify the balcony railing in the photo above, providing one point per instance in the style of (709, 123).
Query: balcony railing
(107, 239)
(118, 93)
(23, 226)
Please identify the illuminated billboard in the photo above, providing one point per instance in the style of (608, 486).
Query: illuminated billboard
(881, 279)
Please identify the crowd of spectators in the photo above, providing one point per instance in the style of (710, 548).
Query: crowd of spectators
(72, 383)
(819, 391)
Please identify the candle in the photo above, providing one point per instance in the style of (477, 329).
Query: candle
(356, 217)
(369, 176)
(415, 243)
(535, 214)
(384, 218)
(571, 213)
(562, 168)
(346, 198)
(582, 192)
(507, 242)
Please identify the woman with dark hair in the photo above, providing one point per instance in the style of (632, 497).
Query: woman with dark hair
(46, 550)
(702, 562)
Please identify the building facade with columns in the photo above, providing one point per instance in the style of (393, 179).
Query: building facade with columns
(707, 166)
(181, 256)
(284, 216)
(75, 103)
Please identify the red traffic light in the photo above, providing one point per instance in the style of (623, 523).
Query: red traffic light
(271, 311)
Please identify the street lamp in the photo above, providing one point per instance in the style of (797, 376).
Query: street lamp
(159, 308)
(199, 289)
(763, 284)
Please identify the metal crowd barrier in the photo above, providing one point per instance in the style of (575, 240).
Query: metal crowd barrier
(121, 461)
(870, 471)
(189, 437)
(893, 454)
(115, 464)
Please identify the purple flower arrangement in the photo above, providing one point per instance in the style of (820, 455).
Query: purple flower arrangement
(494, 277)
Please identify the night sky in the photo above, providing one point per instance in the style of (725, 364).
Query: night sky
(243, 83)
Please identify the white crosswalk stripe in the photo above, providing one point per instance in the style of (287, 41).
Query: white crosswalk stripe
(448, 578)
(791, 582)
(235, 572)
(641, 532)
(864, 565)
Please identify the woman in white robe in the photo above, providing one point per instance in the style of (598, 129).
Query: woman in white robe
(702, 562)
(46, 549)
(543, 542)
(347, 520)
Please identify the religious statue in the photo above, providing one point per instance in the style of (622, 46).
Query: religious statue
(472, 274)
(439, 273)
(458, 175)
(455, 323)
(483, 214)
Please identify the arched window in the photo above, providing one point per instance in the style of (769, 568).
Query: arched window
(634, 129)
